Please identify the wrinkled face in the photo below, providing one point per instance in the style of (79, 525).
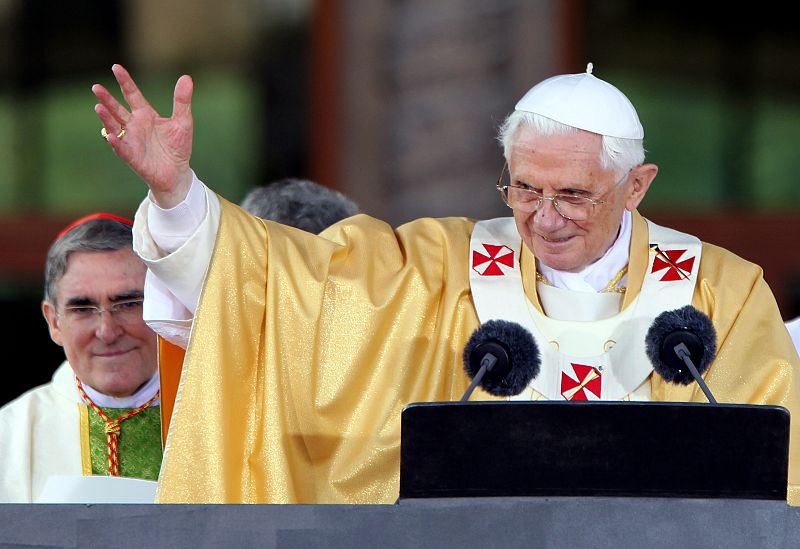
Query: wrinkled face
(114, 354)
(567, 164)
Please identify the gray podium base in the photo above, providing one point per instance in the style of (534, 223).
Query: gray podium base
(506, 522)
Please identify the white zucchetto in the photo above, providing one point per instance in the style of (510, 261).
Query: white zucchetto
(585, 102)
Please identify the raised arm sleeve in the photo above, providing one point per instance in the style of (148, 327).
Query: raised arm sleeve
(176, 245)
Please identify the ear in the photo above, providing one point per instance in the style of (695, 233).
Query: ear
(641, 176)
(49, 312)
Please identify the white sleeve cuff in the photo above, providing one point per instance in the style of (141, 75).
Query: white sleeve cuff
(182, 271)
(171, 228)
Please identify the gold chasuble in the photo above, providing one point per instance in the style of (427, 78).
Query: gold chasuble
(304, 350)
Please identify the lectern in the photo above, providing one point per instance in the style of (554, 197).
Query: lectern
(653, 449)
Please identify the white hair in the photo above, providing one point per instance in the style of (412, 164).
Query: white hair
(617, 153)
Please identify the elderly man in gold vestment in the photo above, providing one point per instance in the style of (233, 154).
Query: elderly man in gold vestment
(302, 350)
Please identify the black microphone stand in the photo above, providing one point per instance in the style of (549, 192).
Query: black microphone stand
(683, 353)
(487, 363)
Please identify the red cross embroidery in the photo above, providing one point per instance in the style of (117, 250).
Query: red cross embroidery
(590, 380)
(489, 265)
(670, 260)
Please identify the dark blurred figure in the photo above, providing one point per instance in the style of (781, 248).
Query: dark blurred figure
(299, 203)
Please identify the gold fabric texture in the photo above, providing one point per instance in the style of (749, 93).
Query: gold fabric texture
(86, 446)
(305, 350)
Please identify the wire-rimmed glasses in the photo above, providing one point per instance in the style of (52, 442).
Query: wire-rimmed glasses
(569, 206)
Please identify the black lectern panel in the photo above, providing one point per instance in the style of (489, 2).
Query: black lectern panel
(491, 449)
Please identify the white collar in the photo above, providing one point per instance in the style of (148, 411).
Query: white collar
(596, 276)
(135, 400)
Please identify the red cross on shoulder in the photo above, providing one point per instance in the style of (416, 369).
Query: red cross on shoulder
(677, 267)
(489, 264)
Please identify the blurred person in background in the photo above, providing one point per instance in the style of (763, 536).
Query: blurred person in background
(299, 203)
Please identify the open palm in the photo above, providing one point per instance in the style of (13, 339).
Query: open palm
(158, 149)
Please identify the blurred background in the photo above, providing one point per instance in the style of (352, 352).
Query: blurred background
(394, 102)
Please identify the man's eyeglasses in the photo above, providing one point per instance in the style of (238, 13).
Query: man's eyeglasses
(123, 312)
(572, 207)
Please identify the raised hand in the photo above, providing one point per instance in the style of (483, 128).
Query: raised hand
(158, 149)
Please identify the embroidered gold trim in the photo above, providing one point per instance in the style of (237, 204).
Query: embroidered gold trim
(86, 453)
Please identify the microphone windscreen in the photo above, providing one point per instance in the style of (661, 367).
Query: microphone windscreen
(686, 325)
(516, 351)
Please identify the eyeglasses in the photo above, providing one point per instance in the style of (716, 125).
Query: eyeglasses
(123, 312)
(572, 207)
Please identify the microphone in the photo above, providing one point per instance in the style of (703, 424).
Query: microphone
(681, 345)
(502, 357)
